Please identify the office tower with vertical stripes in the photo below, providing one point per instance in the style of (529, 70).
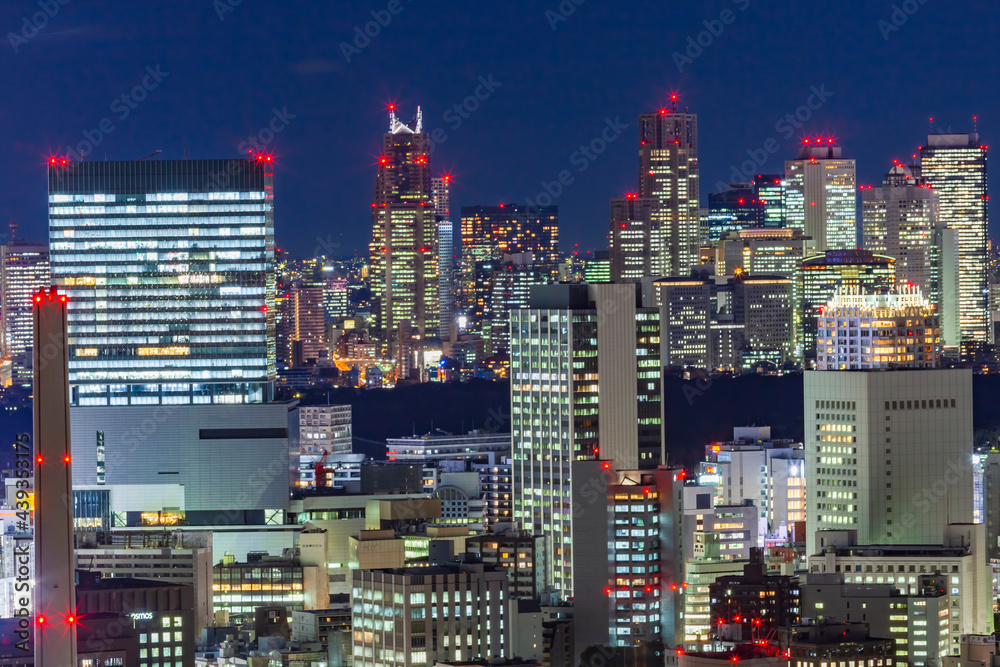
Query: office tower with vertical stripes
(24, 269)
(669, 175)
(404, 247)
(821, 195)
(955, 166)
(585, 385)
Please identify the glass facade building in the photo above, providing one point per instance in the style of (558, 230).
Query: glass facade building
(168, 266)
(24, 270)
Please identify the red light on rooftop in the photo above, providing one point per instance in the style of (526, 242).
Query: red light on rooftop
(673, 97)
(646, 491)
(606, 465)
(663, 112)
(66, 458)
(39, 459)
(71, 619)
(41, 620)
(607, 591)
(673, 587)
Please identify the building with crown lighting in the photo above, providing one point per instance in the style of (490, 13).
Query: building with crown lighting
(819, 279)
(821, 195)
(669, 175)
(955, 166)
(857, 331)
(404, 251)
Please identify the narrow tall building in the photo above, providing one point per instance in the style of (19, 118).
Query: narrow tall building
(441, 199)
(669, 175)
(888, 454)
(404, 249)
(821, 195)
(955, 166)
(302, 330)
(585, 385)
(24, 270)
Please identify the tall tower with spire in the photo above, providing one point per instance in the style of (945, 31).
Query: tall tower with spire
(404, 248)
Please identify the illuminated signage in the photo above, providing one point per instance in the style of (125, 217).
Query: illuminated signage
(142, 616)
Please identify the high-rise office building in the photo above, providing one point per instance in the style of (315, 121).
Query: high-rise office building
(302, 329)
(441, 199)
(857, 331)
(888, 454)
(733, 209)
(669, 175)
(168, 268)
(899, 219)
(821, 195)
(403, 253)
(955, 166)
(336, 300)
(326, 428)
(597, 269)
(24, 270)
(510, 287)
(585, 384)
(491, 232)
(773, 252)
(819, 279)
(770, 192)
(633, 255)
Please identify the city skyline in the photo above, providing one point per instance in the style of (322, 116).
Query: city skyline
(280, 98)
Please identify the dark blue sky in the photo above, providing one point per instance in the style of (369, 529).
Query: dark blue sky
(225, 66)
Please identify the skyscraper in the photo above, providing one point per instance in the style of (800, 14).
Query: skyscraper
(441, 198)
(168, 269)
(24, 270)
(404, 249)
(899, 219)
(302, 329)
(585, 384)
(770, 192)
(633, 256)
(821, 195)
(733, 209)
(489, 233)
(955, 166)
(669, 175)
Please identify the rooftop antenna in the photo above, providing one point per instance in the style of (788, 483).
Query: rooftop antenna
(931, 123)
(153, 154)
(13, 231)
(420, 121)
(975, 124)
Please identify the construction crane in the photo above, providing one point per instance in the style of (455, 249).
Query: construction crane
(319, 471)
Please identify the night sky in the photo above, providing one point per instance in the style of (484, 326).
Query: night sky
(218, 72)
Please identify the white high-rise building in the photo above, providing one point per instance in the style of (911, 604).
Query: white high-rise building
(24, 270)
(821, 191)
(955, 165)
(888, 453)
